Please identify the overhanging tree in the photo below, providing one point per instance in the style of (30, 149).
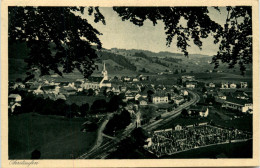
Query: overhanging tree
(58, 40)
(235, 37)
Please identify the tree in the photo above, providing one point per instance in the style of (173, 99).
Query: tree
(84, 109)
(176, 71)
(91, 92)
(204, 89)
(149, 95)
(56, 38)
(235, 37)
(184, 112)
(114, 103)
(98, 106)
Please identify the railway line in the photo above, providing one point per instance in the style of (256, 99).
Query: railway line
(110, 145)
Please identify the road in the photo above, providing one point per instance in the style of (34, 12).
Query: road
(109, 146)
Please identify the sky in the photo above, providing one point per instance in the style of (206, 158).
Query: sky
(126, 35)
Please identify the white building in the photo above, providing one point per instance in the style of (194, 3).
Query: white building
(190, 85)
(178, 127)
(159, 98)
(224, 86)
(212, 85)
(243, 84)
(233, 86)
(238, 104)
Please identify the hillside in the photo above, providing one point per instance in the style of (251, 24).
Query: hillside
(121, 62)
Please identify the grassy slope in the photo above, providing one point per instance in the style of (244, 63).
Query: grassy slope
(55, 137)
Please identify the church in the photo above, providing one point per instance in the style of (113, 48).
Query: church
(97, 83)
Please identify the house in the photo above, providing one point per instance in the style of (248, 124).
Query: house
(129, 96)
(116, 90)
(137, 96)
(135, 79)
(233, 86)
(79, 85)
(18, 85)
(36, 89)
(184, 92)
(133, 89)
(122, 88)
(68, 91)
(204, 112)
(178, 127)
(14, 98)
(243, 84)
(201, 111)
(159, 98)
(212, 85)
(191, 84)
(187, 78)
(125, 79)
(220, 97)
(240, 95)
(178, 100)
(224, 86)
(53, 89)
(142, 101)
(238, 104)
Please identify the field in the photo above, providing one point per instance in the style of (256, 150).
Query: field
(55, 137)
(232, 150)
(243, 123)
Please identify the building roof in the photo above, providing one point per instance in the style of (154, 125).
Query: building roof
(95, 79)
(14, 96)
(50, 87)
(159, 94)
(199, 108)
(237, 101)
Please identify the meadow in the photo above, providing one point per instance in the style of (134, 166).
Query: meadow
(54, 136)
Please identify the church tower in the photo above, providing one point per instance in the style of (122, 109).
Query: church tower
(104, 72)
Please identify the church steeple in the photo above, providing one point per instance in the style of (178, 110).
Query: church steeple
(104, 72)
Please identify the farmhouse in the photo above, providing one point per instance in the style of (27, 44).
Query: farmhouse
(202, 111)
(224, 85)
(159, 98)
(238, 104)
(243, 84)
(233, 86)
(191, 84)
(142, 101)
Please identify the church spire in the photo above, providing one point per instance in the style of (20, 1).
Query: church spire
(104, 72)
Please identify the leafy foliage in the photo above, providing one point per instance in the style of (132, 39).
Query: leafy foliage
(235, 37)
(71, 36)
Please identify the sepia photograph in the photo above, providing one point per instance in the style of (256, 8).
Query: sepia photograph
(130, 82)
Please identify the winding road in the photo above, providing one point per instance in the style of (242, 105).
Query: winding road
(103, 150)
